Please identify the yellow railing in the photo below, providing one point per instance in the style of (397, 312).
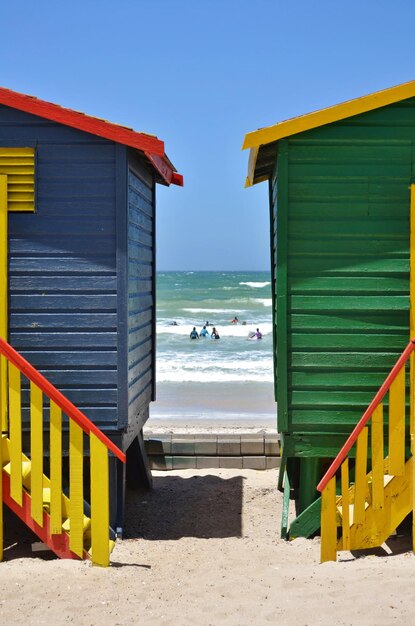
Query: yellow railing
(370, 506)
(37, 496)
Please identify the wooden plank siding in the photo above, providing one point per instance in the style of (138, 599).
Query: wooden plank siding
(281, 301)
(141, 295)
(273, 194)
(347, 264)
(62, 264)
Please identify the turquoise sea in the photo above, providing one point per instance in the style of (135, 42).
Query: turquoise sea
(228, 380)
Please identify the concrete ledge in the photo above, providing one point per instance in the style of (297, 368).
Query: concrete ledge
(271, 446)
(229, 447)
(207, 462)
(183, 462)
(204, 450)
(182, 447)
(273, 461)
(160, 462)
(160, 444)
(254, 462)
(230, 462)
(206, 447)
(252, 445)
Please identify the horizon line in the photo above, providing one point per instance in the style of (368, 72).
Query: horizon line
(187, 270)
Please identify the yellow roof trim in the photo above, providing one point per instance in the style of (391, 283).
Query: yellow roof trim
(327, 116)
(253, 154)
(261, 179)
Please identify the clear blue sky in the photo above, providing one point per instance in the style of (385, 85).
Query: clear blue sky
(200, 75)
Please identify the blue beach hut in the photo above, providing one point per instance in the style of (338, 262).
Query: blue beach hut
(77, 286)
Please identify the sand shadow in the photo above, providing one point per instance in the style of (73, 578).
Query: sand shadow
(398, 543)
(199, 506)
(18, 540)
(395, 545)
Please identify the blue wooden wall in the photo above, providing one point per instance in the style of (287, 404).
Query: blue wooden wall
(141, 283)
(67, 268)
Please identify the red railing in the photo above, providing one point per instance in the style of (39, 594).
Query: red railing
(58, 398)
(351, 440)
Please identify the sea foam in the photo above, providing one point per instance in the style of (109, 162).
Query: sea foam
(193, 374)
(256, 285)
(214, 370)
(232, 330)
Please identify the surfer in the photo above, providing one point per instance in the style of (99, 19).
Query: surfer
(194, 334)
(235, 320)
(254, 336)
(204, 332)
(215, 334)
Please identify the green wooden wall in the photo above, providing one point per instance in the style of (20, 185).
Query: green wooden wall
(340, 241)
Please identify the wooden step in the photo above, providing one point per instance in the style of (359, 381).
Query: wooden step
(386, 480)
(26, 470)
(66, 525)
(111, 545)
(46, 499)
(58, 543)
(379, 524)
(351, 513)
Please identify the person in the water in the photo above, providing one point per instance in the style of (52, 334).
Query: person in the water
(194, 334)
(258, 334)
(215, 334)
(204, 332)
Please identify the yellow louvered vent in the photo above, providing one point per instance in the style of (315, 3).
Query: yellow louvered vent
(19, 165)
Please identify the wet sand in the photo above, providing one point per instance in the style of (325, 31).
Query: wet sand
(233, 404)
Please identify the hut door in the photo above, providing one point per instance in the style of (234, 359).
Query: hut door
(3, 298)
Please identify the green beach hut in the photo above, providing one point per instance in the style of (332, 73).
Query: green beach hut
(340, 213)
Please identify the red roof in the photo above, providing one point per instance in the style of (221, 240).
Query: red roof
(150, 145)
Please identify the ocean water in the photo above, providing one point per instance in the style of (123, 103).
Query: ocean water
(228, 380)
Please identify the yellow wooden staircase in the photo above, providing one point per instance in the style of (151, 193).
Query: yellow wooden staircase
(368, 489)
(64, 522)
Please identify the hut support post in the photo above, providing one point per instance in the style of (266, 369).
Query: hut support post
(121, 473)
(138, 466)
(309, 477)
(117, 495)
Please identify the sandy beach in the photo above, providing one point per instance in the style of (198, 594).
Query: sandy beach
(203, 548)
